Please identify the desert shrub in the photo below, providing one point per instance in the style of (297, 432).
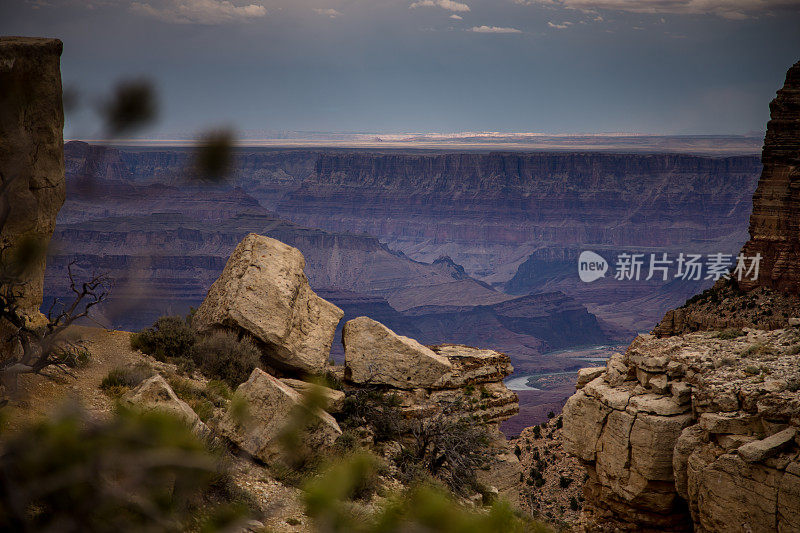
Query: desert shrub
(169, 337)
(449, 448)
(730, 334)
(564, 482)
(375, 408)
(222, 355)
(537, 431)
(420, 508)
(77, 358)
(203, 400)
(751, 370)
(758, 349)
(219, 355)
(120, 380)
(133, 472)
(559, 422)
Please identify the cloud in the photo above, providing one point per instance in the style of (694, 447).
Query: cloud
(493, 29)
(448, 5)
(199, 11)
(456, 17)
(329, 12)
(730, 9)
(562, 26)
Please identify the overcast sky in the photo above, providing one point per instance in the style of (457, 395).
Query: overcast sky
(553, 66)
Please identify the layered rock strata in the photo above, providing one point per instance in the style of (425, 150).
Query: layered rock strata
(768, 297)
(691, 432)
(775, 221)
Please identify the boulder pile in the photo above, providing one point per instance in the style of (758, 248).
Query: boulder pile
(263, 293)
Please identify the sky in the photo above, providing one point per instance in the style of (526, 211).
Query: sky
(676, 67)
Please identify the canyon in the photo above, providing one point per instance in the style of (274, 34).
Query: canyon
(473, 248)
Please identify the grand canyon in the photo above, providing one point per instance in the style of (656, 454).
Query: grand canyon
(436, 266)
(473, 248)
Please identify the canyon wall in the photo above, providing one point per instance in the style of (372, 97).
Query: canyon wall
(516, 221)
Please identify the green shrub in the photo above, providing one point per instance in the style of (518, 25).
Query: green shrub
(730, 334)
(120, 380)
(421, 508)
(77, 358)
(222, 355)
(169, 337)
(202, 400)
(376, 409)
(132, 472)
(219, 355)
(758, 349)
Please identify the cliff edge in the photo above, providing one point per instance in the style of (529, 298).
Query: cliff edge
(700, 430)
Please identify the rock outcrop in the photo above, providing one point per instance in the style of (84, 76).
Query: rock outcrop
(155, 394)
(775, 221)
(692, 432)
(767, 300)
(32, 186)
(332, 398)
(270, 407)
(263, 291)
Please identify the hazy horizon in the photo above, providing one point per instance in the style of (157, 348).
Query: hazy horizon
(687, 67)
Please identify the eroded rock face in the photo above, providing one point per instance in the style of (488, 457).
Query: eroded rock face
(264, 291)
(376, 355)
(775, 221)
(31, 154)
(271, 406)
(693, 431)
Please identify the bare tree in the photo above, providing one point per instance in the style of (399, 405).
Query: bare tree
(42, 346)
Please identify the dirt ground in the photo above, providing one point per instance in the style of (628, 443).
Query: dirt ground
(37, 396)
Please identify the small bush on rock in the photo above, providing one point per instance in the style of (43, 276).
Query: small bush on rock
(120, 380)
(222, 355)
(170, 337)
(219, 355)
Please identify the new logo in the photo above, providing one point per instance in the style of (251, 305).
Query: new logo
(591, 266)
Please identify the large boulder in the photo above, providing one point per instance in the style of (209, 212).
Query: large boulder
(155, 394)
(264, 291)
(374, 354)
(31, 161)
(271, 408)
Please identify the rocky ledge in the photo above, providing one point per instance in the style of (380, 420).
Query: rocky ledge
(693, 432)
